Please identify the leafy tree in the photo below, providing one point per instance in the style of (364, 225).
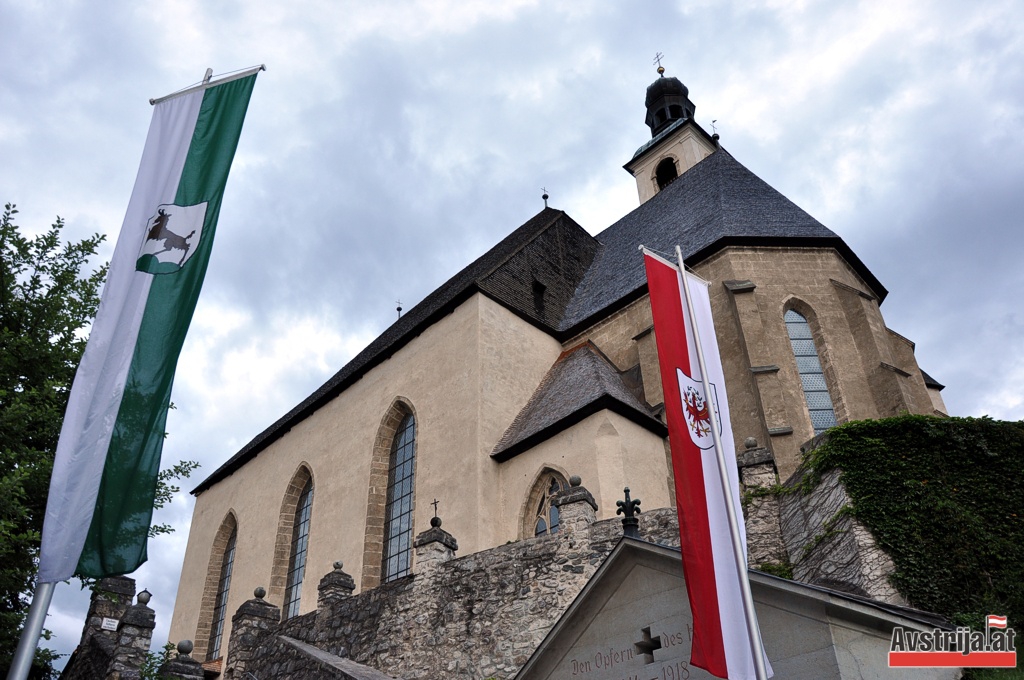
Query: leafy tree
(46, 305)
(48, 298)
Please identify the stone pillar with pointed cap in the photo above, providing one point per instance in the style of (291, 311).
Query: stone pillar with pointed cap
(111, 597)
(182, 666)
(577, 511)
(134, 635)
(434, 546)
(336, 587)
(250, 622)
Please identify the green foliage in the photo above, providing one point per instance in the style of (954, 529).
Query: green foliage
(165, 490)
(945, 498)
(151, 666)
(993, 674)
(47, 301)
(784, 570)
(46, 305)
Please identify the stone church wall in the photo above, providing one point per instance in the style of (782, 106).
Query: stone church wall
(466, 377)
(870, 371)
(477, 616)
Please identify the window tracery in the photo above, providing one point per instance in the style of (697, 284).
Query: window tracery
(812, 376)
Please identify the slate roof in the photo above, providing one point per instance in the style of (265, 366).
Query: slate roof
(932, 382)
(555, 275)
(582, 381)
(714, 204)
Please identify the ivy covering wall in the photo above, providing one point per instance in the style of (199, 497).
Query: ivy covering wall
(945, 498)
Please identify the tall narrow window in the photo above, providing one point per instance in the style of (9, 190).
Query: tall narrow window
(819, 402)
(221, 603)
(542, 517)
(397, 556)
(300, 542)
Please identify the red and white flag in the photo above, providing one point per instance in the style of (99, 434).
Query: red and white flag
(721, 635)
(995, 621)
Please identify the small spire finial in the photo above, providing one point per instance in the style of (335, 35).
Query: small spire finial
(629, 508)
(399, 308)
(544, 196)
(658, 56)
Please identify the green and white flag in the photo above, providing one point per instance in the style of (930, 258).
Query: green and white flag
(108, 457)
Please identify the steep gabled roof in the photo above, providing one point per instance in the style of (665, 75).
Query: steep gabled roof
(715, 204)
(582, 381)
(557, 277)
(503, 273)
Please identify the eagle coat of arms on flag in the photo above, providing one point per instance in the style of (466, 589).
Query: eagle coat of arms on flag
(695, 410)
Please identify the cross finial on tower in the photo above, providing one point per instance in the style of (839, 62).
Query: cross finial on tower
(658, 56)
(544, 196)
(399, 308)
(435, 507)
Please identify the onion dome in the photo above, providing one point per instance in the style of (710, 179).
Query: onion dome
(667, 101)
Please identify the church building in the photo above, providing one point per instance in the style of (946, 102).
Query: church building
(537, 362)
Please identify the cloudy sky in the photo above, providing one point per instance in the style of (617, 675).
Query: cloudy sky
(388, 144)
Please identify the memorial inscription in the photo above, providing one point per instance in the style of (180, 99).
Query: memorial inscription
(598, 662)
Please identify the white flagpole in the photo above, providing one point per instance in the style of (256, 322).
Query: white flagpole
(206, 83)
(22, 662)
(754, 633)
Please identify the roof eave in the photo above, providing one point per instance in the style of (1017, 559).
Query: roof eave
(649, 147)
(315, 401)
(603, 402)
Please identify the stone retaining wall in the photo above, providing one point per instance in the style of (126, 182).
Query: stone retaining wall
(828, 546)
(478, 616)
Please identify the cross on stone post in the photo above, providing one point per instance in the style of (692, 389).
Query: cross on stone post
(648, 644)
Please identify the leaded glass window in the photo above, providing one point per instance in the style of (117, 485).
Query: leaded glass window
(808, 364)
(300, 543)
(221, 603)
(397, 558)
(547, 517)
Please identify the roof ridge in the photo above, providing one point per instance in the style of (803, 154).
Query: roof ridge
(539, 230)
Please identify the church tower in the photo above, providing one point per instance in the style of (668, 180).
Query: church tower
(677, 142)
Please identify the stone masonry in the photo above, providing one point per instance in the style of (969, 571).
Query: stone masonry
(482, 615)
(829, 547)
(758, 477)
(115, 651)
(478, 616)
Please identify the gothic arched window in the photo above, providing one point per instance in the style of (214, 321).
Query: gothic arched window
(300, 544)
(808, 364)
(397, 555)
(221, 603)
(544, 516)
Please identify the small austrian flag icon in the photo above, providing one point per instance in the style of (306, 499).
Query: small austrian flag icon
(993, 621)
